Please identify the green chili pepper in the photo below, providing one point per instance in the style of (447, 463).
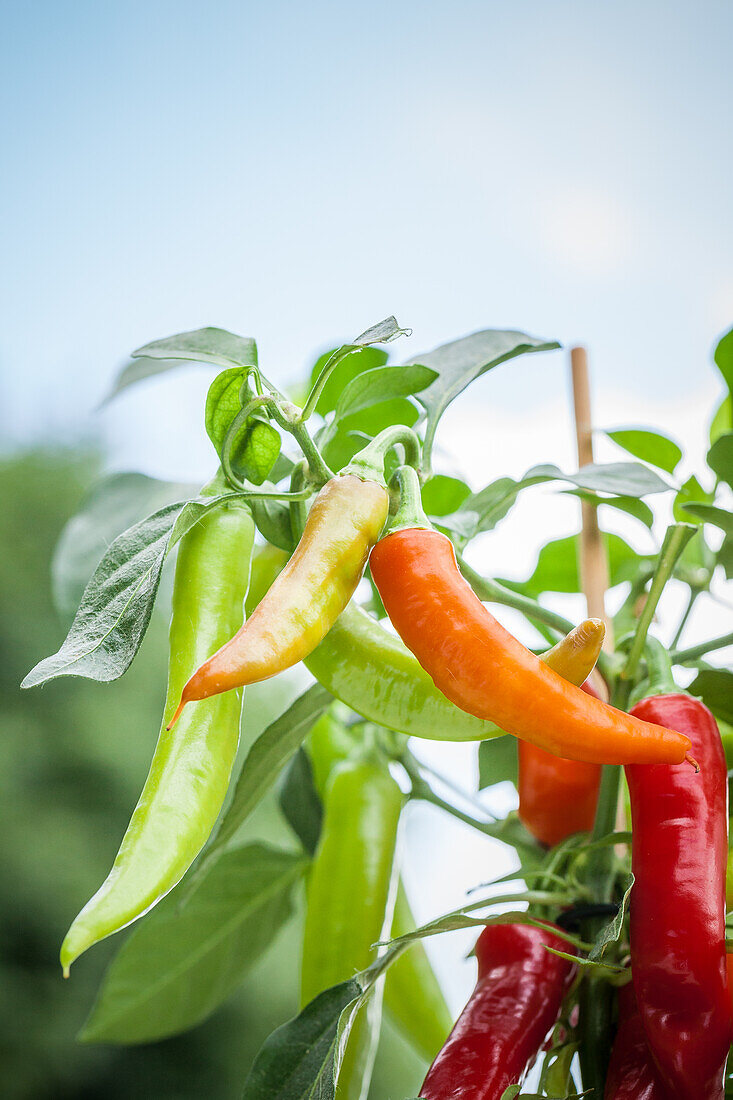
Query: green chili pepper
(190, 771)
(412, 995)
(350, 898)
(376, 675)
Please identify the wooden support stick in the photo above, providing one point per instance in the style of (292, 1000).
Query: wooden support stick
(593, 560)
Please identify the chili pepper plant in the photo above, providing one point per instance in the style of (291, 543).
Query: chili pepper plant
(329, 535)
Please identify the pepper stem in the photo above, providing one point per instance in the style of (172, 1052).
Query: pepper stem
(368, 464)
(659, 667)
(410, 510)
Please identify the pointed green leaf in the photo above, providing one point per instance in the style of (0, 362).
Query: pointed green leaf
(360, 360)
(632, 506)
(611, 932)
(117, 502)
(722, 421)
(204, 345)
(442, 495)
(268, 756)
(557, 565)
(382, 384)
(297, 1061)
(462, 361)
(715, 687)
(708, 513)
(118, 601)
(183, 961)
(299, 801)
(720, 458)
(652, 447)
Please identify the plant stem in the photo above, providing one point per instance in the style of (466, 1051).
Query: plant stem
(679, 656)
(675, 540)
(410, 510)
(694, 593)
(318, 472)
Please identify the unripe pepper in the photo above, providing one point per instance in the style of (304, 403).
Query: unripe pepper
(516, 1002)
(190, 770)
(412, 995)
(558, 797)
(350, 899)
(632, 1074)
(309, 594)
(677, 910)
(482, 668)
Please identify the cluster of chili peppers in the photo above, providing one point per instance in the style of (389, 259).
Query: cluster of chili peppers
(452, 671)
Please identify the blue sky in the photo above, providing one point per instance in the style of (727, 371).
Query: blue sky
(295, 172)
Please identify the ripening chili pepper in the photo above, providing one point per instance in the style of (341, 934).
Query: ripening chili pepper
(559, 797)
(482, 668)
(190, 770)
(350, 898)
(308, 595)
(632, 1074)
(516, 1002)
(677, 912)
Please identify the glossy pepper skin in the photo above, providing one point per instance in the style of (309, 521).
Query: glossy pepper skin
(190, 770)
(350, 899)
(309, 594)
(677, 912)
(483, 669)
(376, 675)
(559, 797)
(632, 1074)
(412, 995)
(516, 1002)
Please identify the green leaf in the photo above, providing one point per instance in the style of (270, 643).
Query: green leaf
(462, 361)
(118, 601)
(723, 357)
(299, 801)
(611, 932)
(630, 505)
(360, 360)
(204, 345)
(442, 495)
(340, 441)
(715, 687)
(382, 384)
(720, 458)
(723, 419)
(483, 510)
(297, 1061)
(117, 502)
(268, 756)
(557, 565)
(628, 479)
(724, 558)
(497, 761)
(708, 513)
(256, 446)
(181, 962)
(652, 447)
(690, 492)
(272, 519)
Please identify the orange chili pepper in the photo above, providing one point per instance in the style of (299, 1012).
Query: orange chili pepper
(483, 669)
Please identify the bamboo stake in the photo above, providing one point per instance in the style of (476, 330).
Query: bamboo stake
(593, 560)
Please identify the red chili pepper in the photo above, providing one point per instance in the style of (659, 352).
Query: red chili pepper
(632, 1074)
(677, 913)
(557, 797)
(484, 670)
(516, 1001)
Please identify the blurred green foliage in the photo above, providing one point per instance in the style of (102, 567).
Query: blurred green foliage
(73, 757)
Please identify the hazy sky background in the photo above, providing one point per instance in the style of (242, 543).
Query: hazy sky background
(295, 172)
